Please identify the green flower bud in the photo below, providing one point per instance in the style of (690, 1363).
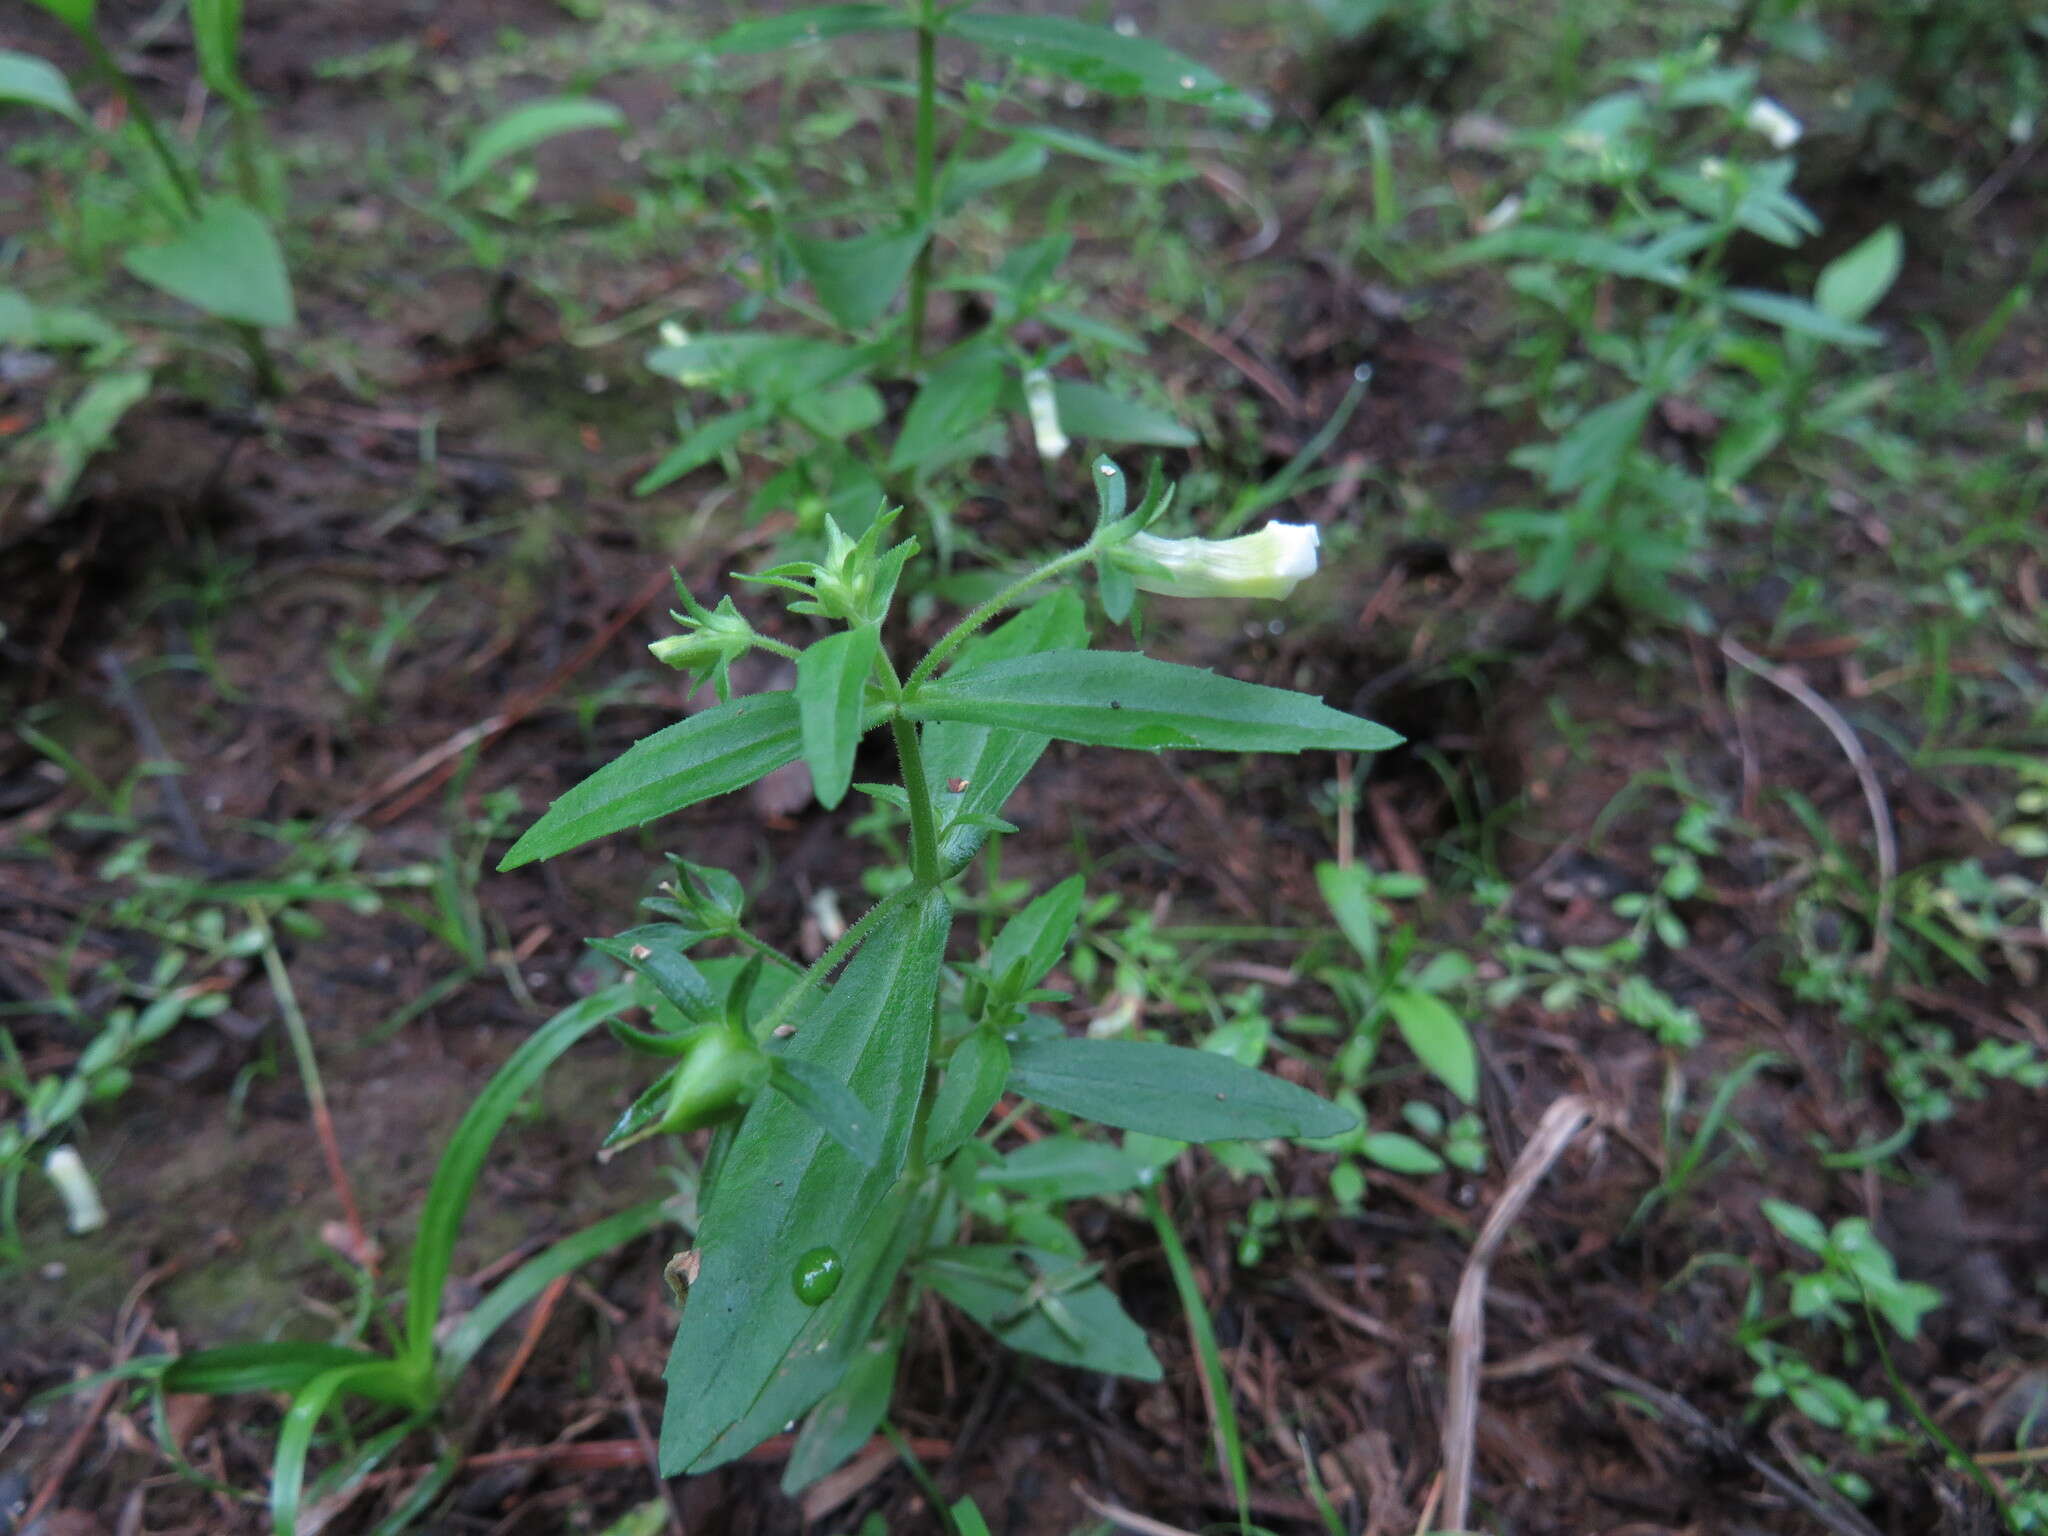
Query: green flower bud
(721, 1075)
(711, 641)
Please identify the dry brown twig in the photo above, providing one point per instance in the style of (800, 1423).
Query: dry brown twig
(1559, 1127)
(649, 1454)
(1790, 682)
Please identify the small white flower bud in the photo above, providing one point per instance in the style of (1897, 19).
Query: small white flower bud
(1774, 123)
(75, 1187)
(1269, 563)
(1044, 407)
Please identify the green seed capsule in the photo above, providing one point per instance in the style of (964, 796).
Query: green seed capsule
(817, 1276)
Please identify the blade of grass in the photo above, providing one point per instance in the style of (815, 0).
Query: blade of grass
(295, 1437)
(1215, 1380)
(455, 1178)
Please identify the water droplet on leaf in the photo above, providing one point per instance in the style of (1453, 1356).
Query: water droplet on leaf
(817, 1276)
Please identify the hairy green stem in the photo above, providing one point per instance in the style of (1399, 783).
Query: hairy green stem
(955, 637)
(924, 828)
(842, 947)
(924, 192)
(765, 950)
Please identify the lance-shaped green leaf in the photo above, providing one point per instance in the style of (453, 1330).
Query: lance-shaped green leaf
(1123, 699)
(831, 682)
(707, 441)
(848, 1415)
(1851, 284)
(522, 128)
(27, 79)
(813, 24)
(1799, 317)
(1102, 60)
(657, 952)
(1043, 1304)
(989, 763)
(1168, 1090)
(1067, 1168)
(1438, 1038)
(278, 1365)
(958, 397)
(709, 754)
(75, 14)
(456, 1174)
(831, 1106)
(217, 30)
(855, 279)
(1094, 414)
(975, 1074)
(1038, 935)
(225, 262)
(786, 1188)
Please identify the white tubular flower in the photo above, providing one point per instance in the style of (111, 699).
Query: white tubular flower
(1502, 214)
(1766, 117)
(75, 1187)
(1269, 563)
(1044, 407)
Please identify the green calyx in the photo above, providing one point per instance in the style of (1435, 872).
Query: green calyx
(720, 1075)
(711, 641)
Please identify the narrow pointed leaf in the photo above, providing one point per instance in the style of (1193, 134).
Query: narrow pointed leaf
(832, 1108)
(1799, 317)
(524, 127)
(1168, 1090)
(1038, 935)
(707, 441)
(456, 1174)
(985, 1282)
(1438, 1038)
(657, 952)
(989, 763)
(1102, 60)
(26, 79)
(225, 262)
(849, 1414)
(831, 682)
(268, 1366)
(1854, 281)
(1094, 414)
(975, 1075)
(525, 1284)
(1067, 1168)
(786, 1188)
(217, 30)
(1123, 699)
(855, 279)
(959, 396)
(75, 14)
(709, 754)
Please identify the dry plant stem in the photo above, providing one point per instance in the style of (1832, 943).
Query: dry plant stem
(128, 1333)
(529, 1340)
(645, 1441)
(1866, 774)
(1126, 1519)
(1561, 1123)
(316, 1095)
